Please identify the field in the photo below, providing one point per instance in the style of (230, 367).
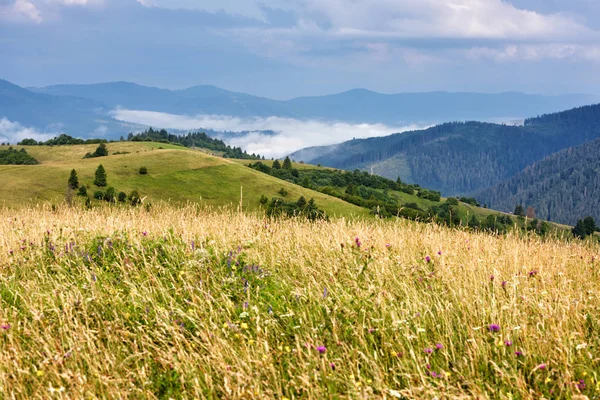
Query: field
(175, 174)
(190, 302)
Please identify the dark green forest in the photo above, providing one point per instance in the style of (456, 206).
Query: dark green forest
(465, 157)
(563, 187)
(192, 139)
(11, 156)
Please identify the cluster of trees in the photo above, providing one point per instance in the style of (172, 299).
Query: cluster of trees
(278, 207)
(11, 156)
(111, 194)
(192, 139)
(60, 141)
(585, 227)
(101, 151)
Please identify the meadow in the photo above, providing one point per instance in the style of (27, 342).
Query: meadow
(194, 302)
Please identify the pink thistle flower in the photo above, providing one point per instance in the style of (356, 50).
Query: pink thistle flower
(322, 349)
(428, 259)
(428, 350)
(494, 328)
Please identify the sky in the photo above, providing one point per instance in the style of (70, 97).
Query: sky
(288, 48)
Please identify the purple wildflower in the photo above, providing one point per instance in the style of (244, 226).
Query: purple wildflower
(428, 259)
(193, 245)
(439, 253)
(11, 252)
(439, 346)
(518, 353)
(371, 330)
(541, 366)
(503, 284)
(492, 278)
(533, 273)
(388, 245)
(581, 384)
(357, 241)
(332, 365)
(494, 328)
(507, 343)
(145, 233)
(5, 327)
(322, 349)
(325, 293)
(428, 350)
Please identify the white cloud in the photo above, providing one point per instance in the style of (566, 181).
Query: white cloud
(13, 132)
(35, 10)
(536, 52)
(22, 9)
(291, 134)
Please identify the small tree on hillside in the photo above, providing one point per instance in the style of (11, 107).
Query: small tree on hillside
(519, 211)
(287, 163)
(276, 164)
(530, 212)
(590, 225)
(100, 179)
(101, 150)
(579, 230)
(73, 180)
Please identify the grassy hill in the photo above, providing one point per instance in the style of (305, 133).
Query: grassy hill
(175, 174)
(120, 302)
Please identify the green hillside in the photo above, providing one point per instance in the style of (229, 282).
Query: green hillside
(175, 174)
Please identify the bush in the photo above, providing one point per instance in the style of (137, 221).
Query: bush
(263, 199)
(99, 195)
(122, 197)
(110, 195)
(100, 179)
(143, 171)
(134, 198)
(283, 192)
(82, 191)
(73, 180)
(101, 151)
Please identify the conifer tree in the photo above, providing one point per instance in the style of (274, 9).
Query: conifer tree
(276, 164)
(100, 176)
(73, 180)
(287, 163)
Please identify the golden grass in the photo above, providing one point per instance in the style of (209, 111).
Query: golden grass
(126, 303)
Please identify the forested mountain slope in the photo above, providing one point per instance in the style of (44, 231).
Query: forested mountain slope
(462, 158)
(563, 187)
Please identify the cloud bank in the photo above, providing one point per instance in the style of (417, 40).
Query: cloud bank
(13, 132)
(291, 134)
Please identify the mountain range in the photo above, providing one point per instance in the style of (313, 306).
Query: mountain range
(85, 110)
(500, 165)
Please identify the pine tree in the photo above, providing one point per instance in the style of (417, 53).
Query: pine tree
(100, 176)
(519, 211)
(590, 225)
(101, 151)
(287, 163)
(579, 230)
(73, 180)
(301, 202)
(276, 164)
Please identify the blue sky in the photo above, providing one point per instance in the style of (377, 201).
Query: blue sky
(288, 48)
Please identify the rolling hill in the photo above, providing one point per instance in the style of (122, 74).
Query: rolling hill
(462, 158)
(175, 174)
(563, 187)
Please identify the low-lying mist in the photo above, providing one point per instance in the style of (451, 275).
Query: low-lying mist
(292, 134)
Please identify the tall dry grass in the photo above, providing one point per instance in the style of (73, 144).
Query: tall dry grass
(191, 303)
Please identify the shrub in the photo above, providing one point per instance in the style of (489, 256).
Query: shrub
(82, 191)
(134, 198)
(143, 171)
(73, 180)
(263, 199)
(110, 195)
(99, 195)
(122, 197)
(283, 192)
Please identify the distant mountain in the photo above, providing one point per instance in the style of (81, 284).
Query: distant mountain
(462, 158)
(54, 114)
(563, 187)
(357, 105)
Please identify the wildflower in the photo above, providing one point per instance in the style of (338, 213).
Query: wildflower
(322, 349)
(388, 245)
(507, 343)
(533, 273)
(428, 350)
(439, 253)
(332, 365)
(5, 327)
(503, 283)
(494, 328)
(371, 330)
(325, 293)
(193, 245)
(541, 366)
(357, 241)
(145, 233)
(11, 252)
(492, 278)
(439, 346)
(428, 259)
(581, 384)
(244, 325)
(40, 373)
(518, 353)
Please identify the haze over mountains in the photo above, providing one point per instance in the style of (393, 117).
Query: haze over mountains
(114, 109)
